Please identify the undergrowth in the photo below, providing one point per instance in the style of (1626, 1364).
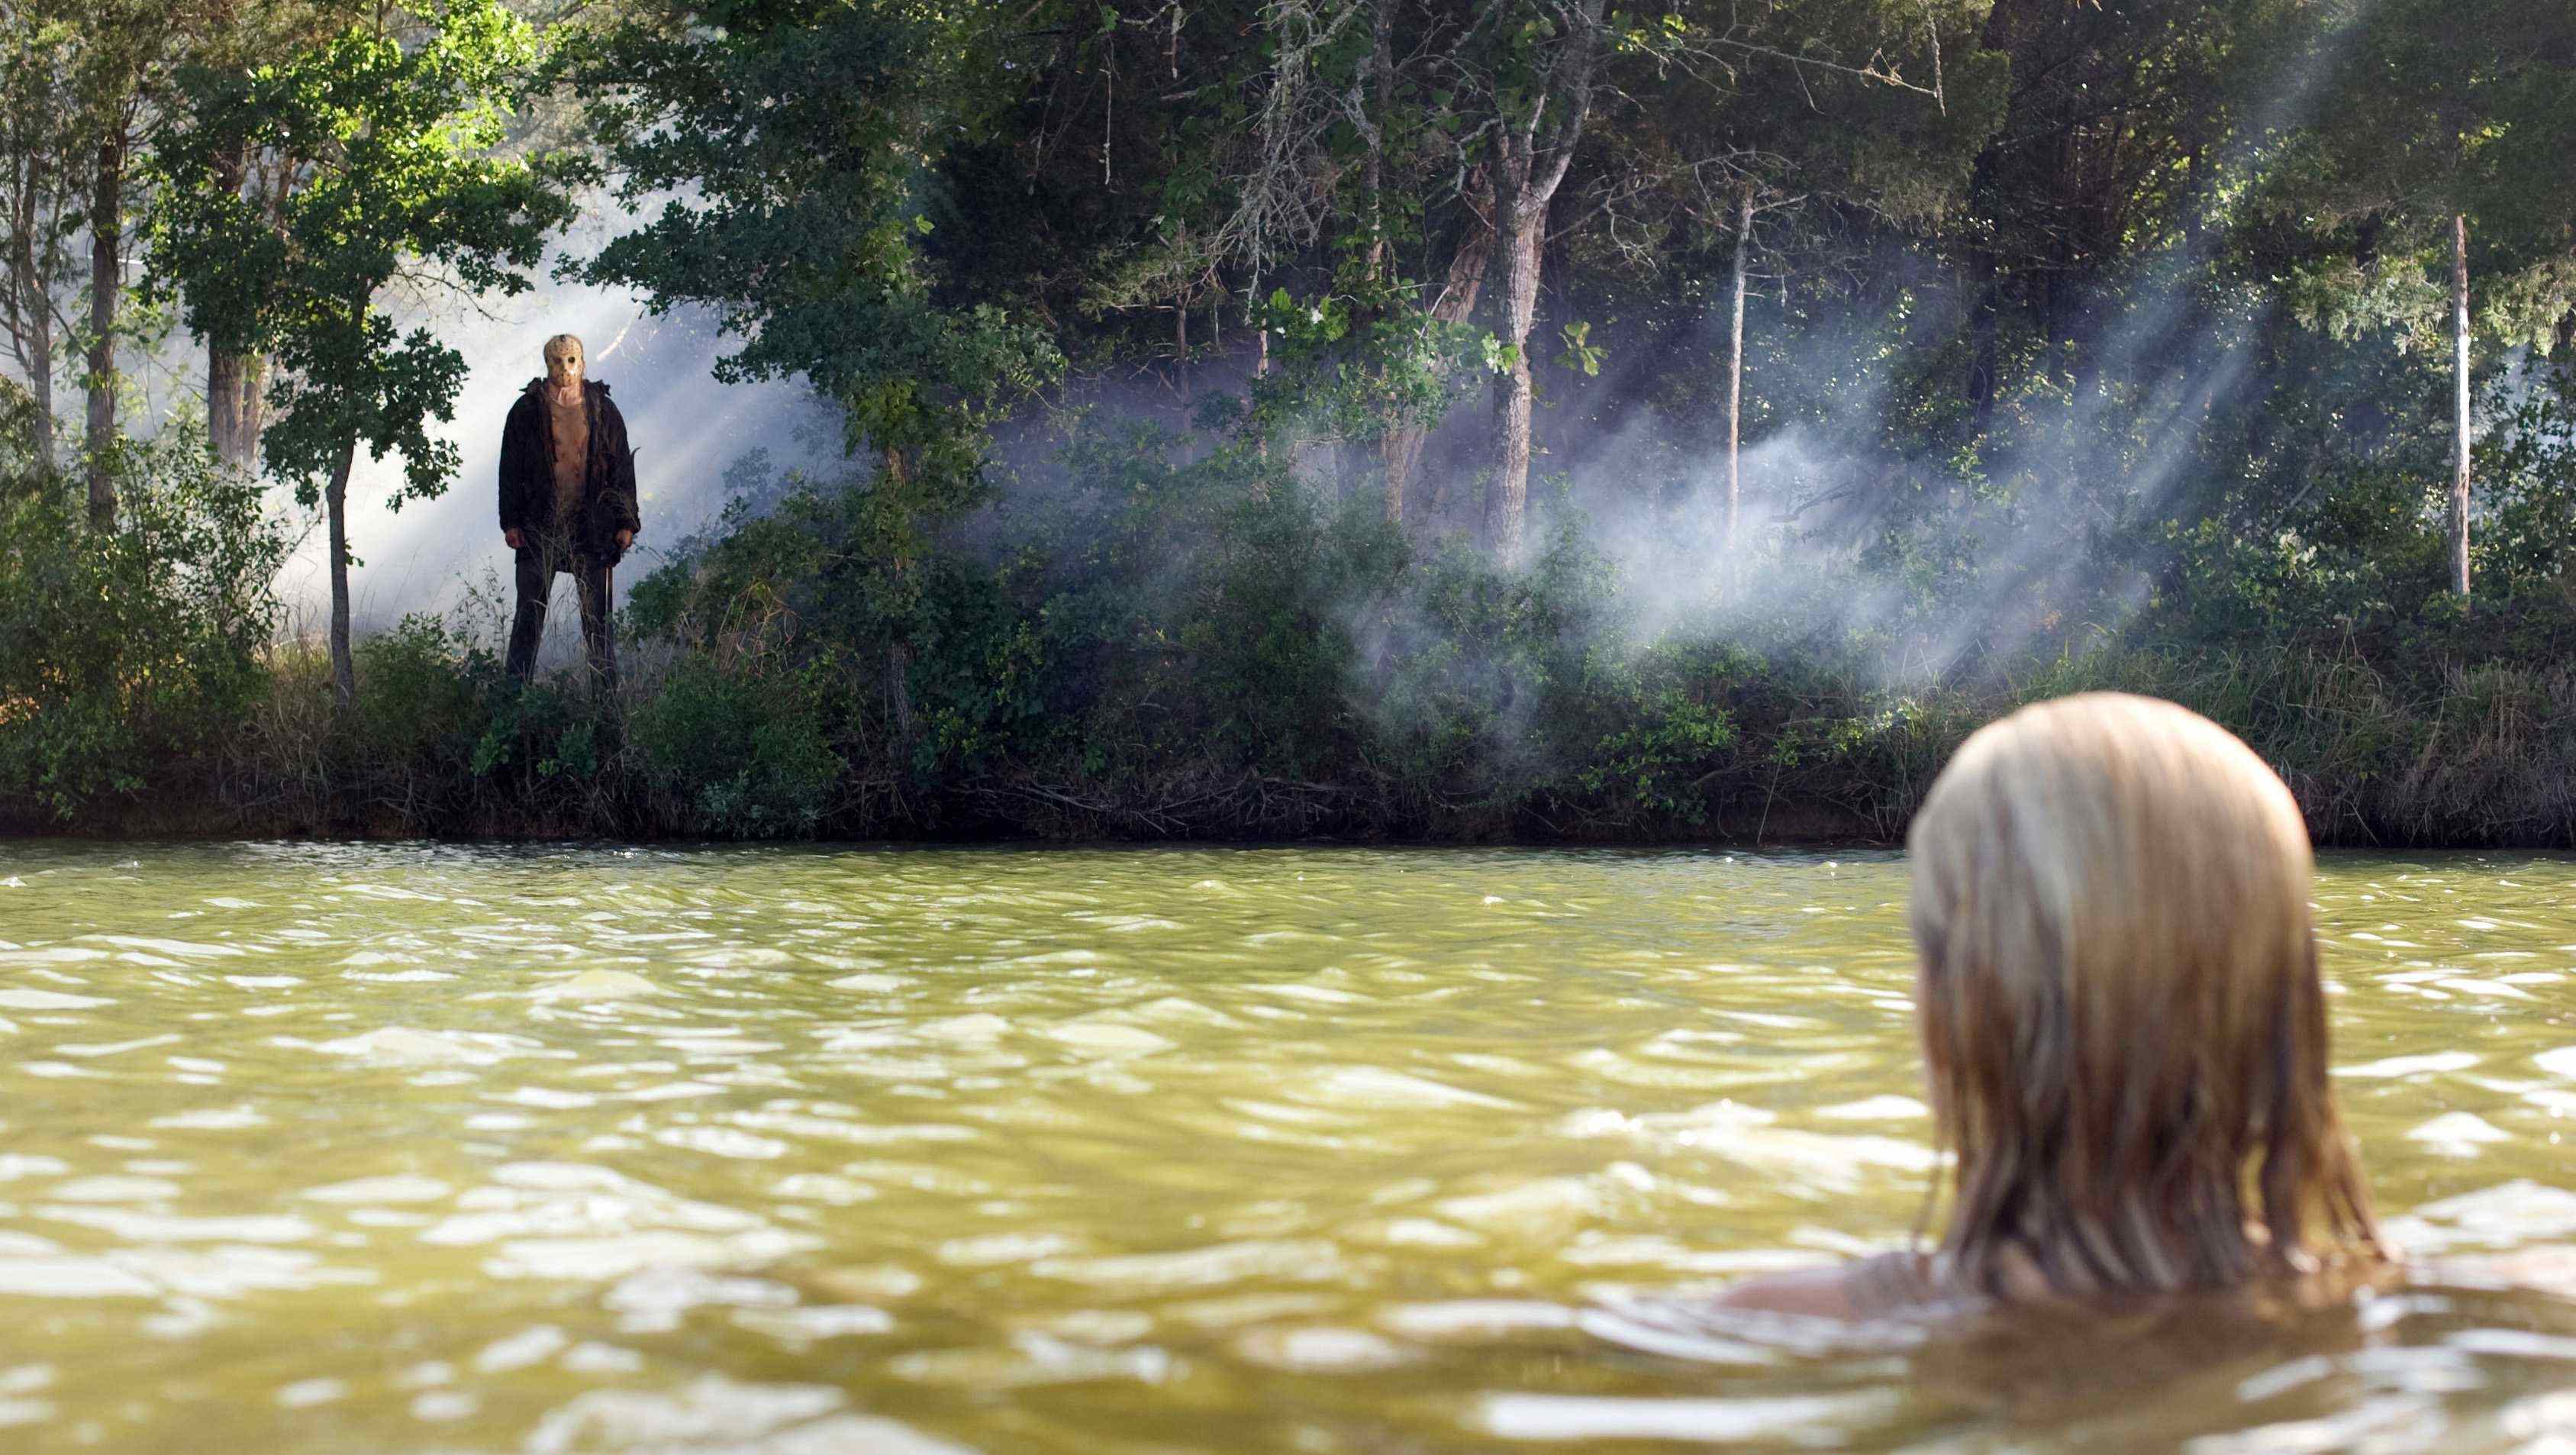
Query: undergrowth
(1209, 647)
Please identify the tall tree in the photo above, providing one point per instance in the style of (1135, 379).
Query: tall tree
(2115, 116)
(1351, 153)
(1449, 308)
(2449, 131)
(41, 201)
(239, 35)
(1526, 72)
(1774, 107)
(114, 84)
(125, 50)
(797, 139)
(393, 143)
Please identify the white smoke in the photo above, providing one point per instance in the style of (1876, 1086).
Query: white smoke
(684, 426)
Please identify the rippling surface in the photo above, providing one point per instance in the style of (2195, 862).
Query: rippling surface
(436, 1148)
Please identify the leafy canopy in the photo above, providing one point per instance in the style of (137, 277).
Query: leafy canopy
(397, 180)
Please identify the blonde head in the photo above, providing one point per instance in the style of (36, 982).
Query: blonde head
(2123, 1026)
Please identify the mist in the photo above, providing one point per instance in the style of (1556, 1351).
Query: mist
(428, 556)
(1818, 486)
(2075, 476)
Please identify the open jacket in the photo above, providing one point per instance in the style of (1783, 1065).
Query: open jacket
(608, 475)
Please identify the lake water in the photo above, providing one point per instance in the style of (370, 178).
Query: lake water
(437, 1148)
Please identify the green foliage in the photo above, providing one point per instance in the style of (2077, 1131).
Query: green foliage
(1349, 369)
(745, 749)
(977, 673)
(398, 141)
(536, 733)
(1655, 759)
(421, 706)
(2471, 111)
(799, 136)
(2526, 469)
(132, 653)
(2085, 345)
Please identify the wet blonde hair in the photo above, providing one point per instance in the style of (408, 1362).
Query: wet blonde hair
(2124, 1029)
(562, 341)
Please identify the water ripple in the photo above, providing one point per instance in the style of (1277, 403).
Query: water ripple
(445, 1148)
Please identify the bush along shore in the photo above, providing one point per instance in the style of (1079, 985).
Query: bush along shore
(1214, 648)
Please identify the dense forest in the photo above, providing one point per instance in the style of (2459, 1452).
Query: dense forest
(1389, 418)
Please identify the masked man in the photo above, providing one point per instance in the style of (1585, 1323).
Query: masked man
(567, 503)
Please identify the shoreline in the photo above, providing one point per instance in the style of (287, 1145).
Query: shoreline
(1789, 828)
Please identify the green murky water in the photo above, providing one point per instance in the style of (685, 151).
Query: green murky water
(436, 1148)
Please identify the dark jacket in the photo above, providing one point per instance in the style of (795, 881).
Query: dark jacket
(608, 478)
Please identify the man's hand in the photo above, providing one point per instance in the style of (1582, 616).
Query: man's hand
(625, 538)
(518, 540)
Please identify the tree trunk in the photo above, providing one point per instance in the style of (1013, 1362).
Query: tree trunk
(335, 504)
(898, 673)
(898, 685)
(1382, 73)
(31, 304)
(1985, 356)
(236, 385)
(1507, 497)
(2195, 201)
(1735, 383)
(40, 383)
(1457, 300)
(223, 404)
(234, 381)
(2460, 369)
(1533, 154)
(224, 367)
(106, 282)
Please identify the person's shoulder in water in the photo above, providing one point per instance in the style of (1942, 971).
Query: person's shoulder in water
(2122, 1024)
(1901, 1284)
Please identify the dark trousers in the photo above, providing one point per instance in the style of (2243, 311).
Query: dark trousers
(539, 560)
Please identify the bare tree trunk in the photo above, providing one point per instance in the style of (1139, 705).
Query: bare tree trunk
(1534, 148)
(2460, 368)
(1456, 302)
(224, 367)
(335, 504)
(1735, 384)
(1507, 497)
(254, 406)
(898, 683)
(106, 282)
(1403, 453)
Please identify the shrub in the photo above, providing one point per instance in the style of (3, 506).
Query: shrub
(418, 701)
(130, 650)
(744, 749)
